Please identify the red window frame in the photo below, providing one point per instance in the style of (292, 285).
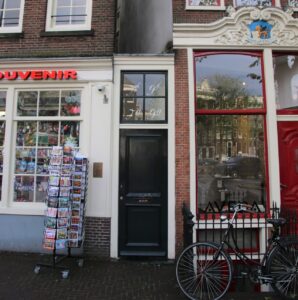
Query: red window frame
(254, 111)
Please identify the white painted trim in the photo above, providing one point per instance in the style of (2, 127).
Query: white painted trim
(143, 63)
(203, 7)
(192, 134)
(19, 28)
(246, 223)
(52, 27)
(293, 118)
(272, 136)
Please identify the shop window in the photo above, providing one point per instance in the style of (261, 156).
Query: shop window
(69, 15)
(2, 133)
(35, 136)
(205, 4)
(286, 82)
(11, 15)
(143, 97)
(262, 3)
(230, 119)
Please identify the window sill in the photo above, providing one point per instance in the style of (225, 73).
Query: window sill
(67, 33)
(13, 35)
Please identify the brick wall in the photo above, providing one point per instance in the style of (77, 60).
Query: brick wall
(180, 15)
(97, 236)
(33, 44)
(182, 142)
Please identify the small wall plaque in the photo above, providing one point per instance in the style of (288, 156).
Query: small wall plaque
(97, 169)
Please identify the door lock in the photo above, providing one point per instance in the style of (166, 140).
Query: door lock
(121, 197)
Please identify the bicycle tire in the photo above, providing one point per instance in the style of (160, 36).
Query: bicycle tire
(204, 272)
(282, 267)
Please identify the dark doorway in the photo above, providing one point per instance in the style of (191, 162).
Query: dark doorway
(143, 193)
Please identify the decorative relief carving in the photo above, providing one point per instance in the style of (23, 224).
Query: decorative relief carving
(260, 27)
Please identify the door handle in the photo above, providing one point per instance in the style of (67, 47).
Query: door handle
(121, 198)
(283, 186)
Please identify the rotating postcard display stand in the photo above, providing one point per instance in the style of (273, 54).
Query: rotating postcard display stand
(66, 199)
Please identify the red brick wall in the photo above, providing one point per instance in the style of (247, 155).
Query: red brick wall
(33, 45)
(182, 141)
(97, 236)
(180, 15)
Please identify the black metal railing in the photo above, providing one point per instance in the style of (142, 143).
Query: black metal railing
(251, 231)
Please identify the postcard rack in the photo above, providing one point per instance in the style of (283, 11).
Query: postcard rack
(66, 204)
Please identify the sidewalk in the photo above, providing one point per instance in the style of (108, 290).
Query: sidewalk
(96, 280)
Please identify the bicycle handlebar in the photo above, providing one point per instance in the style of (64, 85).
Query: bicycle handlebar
(241, 207)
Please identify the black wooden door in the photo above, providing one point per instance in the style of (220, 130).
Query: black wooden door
(143, 193)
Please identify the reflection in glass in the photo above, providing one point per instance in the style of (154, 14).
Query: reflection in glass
(286, 81)
(132, 109)
(70, 103)
(293, 3)
(26, 134)
(155, 109)
(48, 133)
(70, 133)
(41, 188)
(132, 85)
(2, 103)
(230, 160)
(49, 103)
(1, 161)
(228, 81)
(203, 2)
(155, 85)
(2, 133)
(43, 158)
(25, 161)
(11, 18)
(23, 188)
(27, 104)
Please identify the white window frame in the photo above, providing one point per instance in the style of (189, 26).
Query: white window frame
(52, 27)
(19, 27)
(206, 7)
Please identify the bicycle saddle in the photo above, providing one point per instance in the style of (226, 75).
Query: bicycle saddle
(277, 222)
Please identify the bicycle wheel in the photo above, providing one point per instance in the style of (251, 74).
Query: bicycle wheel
(203, 272)
(282, 266)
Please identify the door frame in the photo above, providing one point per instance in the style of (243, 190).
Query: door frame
(142, 63)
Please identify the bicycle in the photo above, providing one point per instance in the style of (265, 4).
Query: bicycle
(204, 269)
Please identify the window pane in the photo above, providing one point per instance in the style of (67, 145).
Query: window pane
(2, 103)
(26, 134)
(228, 81)
(49, 103)
(63, 2)
(1, 4)
(132, 109)
(25, 161)
(11, 18)
(1, 165)
(78, 15)
(23, 188)
(13, 4)
(230, 160)
(43, 158)
(286, 81)
(27, 104)
(48, 134)
(70, 133)
(63, 16)
(293, 3)
(155, 85)
(2, 133)
(132, 85)
(79, 2)
(253, 3)
(70, 103)
(41, 188)
(155, 109)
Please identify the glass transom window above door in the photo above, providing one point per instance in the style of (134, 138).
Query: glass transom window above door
(230, 128)
(143, 97)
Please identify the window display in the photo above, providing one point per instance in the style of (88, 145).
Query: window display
(2, 134)
(35, 138)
